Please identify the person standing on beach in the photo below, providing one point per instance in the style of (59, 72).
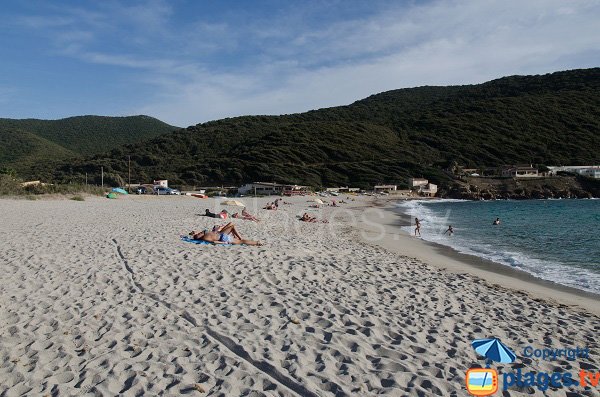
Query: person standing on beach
(417, 227)
(450, 231)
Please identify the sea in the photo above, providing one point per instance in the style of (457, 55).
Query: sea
(555, 240)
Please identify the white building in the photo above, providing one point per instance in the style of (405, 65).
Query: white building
(591, 171)
(422, 186)
(429, 190)
(161, 183)
(520, 171)
(271, 188)
(343, 189)
(417, 182)
(385, 188)
(262, 188)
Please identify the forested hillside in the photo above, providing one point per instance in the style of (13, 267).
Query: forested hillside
(549, 119)
(23, 143)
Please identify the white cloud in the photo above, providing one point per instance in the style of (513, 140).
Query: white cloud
(442, 43)
(211, 69)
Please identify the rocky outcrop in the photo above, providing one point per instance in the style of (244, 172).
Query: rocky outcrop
(520, 189)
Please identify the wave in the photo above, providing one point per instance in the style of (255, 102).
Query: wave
(434, 223)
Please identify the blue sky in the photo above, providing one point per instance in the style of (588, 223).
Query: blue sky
(187, 62)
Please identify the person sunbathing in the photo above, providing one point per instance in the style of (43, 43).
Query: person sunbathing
(248, 216)
(308, 218)
(226, 234)
(222, 214)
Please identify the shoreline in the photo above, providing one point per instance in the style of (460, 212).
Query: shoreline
(448, 259)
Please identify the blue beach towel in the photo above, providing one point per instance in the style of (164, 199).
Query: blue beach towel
(201, 242)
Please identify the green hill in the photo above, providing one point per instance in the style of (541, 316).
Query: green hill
(27, 141)
(21, 148)
(548, 119)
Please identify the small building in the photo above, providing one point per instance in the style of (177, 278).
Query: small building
(520, 171)
(417, 182)
(385, 188)
(469, 171)
(422, 186)
(591, 171)
(295, 190)
(428, 190)
(343, 189)
(262, 188)
(272, 188)
(161, 183)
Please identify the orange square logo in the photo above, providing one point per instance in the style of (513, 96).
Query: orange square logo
(482, 381)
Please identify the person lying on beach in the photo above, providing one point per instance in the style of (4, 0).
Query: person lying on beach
(308, 218)
(245, 216)
(270, 206)
(222, 214)
(450, 231)
(248, 216)
(226, 234)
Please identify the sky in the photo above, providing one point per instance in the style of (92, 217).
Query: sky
(187, 62)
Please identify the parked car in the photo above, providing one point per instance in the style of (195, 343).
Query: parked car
(142, 190)
(166, 191)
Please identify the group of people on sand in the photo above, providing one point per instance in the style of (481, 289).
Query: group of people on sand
(228, 234)
(449, 231)
(275, 204)
(224, 215)
(272, 206)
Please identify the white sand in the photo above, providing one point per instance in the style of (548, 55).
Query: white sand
(102, 298)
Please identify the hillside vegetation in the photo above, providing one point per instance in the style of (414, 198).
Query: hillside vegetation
(549, 119)
(23, 143)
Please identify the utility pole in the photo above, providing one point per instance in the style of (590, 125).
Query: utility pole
(129, 171)
(86, 179)
(102, 177)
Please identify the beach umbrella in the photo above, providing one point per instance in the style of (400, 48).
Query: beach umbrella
(494, 350)
(119, 190)
(234, 203)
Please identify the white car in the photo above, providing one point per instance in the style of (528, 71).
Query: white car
(166, 191)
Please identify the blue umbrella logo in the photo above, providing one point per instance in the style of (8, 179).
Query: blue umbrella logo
(493, 350)
(484, 382)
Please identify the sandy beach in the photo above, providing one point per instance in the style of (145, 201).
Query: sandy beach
(102, 298)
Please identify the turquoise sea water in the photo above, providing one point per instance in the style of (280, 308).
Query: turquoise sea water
(556, 240)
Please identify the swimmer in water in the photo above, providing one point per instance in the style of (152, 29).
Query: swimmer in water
(496, 222)
(450, 231)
